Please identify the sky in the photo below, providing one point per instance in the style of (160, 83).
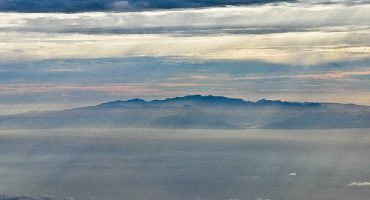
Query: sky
(58, 54)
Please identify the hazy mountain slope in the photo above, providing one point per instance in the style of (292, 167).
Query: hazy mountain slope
(324, 120)
(198, 112)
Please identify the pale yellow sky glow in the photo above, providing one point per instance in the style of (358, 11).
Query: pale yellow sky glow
(302, 48)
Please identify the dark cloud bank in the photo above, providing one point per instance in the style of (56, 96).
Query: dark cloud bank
(6, 197)
(115, 5)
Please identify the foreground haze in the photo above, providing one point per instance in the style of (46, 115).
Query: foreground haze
(136, 164)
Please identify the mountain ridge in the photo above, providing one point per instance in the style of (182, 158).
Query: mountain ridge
(198, 111)
(215, 99)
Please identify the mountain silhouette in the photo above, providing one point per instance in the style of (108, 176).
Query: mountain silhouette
(197, 111)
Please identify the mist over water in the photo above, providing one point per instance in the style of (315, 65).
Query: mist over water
(135, 164)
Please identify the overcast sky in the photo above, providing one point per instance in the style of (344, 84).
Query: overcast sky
(58, 54)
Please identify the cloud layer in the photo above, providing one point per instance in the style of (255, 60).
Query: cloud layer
(114, 5)
(291, 33)
(71, 6)
(298, 51)
(7, 197)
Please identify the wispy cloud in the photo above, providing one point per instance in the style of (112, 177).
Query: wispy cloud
(299, 75)
(331, 75)
(183, 84)
(360, 184)
(288, 48)
(113, 89)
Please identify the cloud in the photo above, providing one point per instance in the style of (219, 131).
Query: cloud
(335, 75)
(115, 5)
(113, 89)
(254, 49)
(323, 75)
(120, 5)
(183, 84)
(72, 6)
(259, 19)
(5, 197)
(322, 33)
(307, 48)
(360, 184)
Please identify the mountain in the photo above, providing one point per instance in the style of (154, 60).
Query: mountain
(197, 111)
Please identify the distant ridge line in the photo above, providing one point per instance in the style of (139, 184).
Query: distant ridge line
(213, 98)
(198, 112)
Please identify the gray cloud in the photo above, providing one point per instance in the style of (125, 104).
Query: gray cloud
(71, 6)
(6, 197)
(261, 19)
(293, 33)
(115, 5)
